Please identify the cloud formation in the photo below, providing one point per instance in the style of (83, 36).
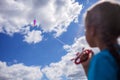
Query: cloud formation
(33, 37)
(19, 72)
(52, 16)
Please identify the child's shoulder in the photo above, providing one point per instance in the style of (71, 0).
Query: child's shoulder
(104, 54)
(104, 57)
(103, 64)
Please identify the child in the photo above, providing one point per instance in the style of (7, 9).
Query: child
(102, 23)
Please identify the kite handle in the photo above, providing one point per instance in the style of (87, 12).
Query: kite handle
(83, 56)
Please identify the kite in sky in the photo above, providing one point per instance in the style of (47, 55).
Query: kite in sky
(34, 22)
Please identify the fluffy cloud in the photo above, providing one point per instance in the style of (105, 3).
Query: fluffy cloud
(19, 72)
(78, 45)
(66, 68)
(52, 16)
(33, 37)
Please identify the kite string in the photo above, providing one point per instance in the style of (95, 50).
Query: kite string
(60, 41)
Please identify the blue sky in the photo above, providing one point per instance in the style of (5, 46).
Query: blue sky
(16, 45)
(42, 53)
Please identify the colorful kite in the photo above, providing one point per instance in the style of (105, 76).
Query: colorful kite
(34, 22)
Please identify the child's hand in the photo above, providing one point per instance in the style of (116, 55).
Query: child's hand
(83, 58)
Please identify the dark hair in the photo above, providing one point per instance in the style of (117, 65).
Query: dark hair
(106, 17)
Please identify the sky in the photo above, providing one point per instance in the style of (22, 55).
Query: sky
(42, 51)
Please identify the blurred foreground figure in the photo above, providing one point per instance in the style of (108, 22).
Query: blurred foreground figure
(102, 24)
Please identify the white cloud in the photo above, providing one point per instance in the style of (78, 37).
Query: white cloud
(53, 15)
(19, 72)
(79, 43)
(65, 67)
(33, 37)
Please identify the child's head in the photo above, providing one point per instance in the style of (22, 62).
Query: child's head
(103, 27)
(103, 24)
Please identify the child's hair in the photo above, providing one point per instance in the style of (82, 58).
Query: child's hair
(105, 17)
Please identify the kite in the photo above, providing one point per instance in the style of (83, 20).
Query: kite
(34, 22)
(82, 57)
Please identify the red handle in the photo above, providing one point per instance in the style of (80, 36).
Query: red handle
(85, 56)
